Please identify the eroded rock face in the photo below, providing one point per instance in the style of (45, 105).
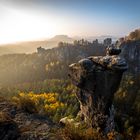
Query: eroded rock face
(97, 79)
(131, 52)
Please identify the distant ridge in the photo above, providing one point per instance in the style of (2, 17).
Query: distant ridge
(31, 46)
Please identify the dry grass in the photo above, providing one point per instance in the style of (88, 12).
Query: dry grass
(70, 132)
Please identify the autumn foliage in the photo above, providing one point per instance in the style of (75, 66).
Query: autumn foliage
(45, 103)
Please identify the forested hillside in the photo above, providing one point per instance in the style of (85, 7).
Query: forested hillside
(45, 64)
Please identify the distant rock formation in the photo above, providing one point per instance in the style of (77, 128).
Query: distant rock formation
(41, 50)
(131, 52)
(130, 46)
(107, 41)
(97, 79)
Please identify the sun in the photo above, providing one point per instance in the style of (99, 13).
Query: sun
(22, 26)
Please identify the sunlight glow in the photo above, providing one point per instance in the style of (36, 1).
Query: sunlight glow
(19, 26)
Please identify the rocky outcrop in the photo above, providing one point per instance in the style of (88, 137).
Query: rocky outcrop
(97, 79)
(131, 52)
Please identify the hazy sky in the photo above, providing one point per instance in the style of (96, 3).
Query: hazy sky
(35, 19)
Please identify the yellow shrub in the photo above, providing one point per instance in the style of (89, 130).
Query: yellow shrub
(28, 105)
(15, 100)
(32, 102)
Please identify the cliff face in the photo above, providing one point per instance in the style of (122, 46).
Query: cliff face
(131, 52)
(97, 79)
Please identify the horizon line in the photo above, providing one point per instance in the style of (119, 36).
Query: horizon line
(49, 38)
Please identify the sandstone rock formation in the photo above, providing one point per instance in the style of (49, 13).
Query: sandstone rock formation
(131, 52)
(97, 79)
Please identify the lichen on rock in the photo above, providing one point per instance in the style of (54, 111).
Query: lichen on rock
(97, 79)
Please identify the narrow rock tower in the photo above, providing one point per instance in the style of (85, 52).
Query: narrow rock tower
(97, 79)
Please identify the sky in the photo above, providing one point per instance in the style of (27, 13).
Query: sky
(22, 20)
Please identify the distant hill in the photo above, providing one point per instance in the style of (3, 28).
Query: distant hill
(31, 46)
(63, 38)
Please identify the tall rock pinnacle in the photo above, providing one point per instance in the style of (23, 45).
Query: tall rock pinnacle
(97, 79)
